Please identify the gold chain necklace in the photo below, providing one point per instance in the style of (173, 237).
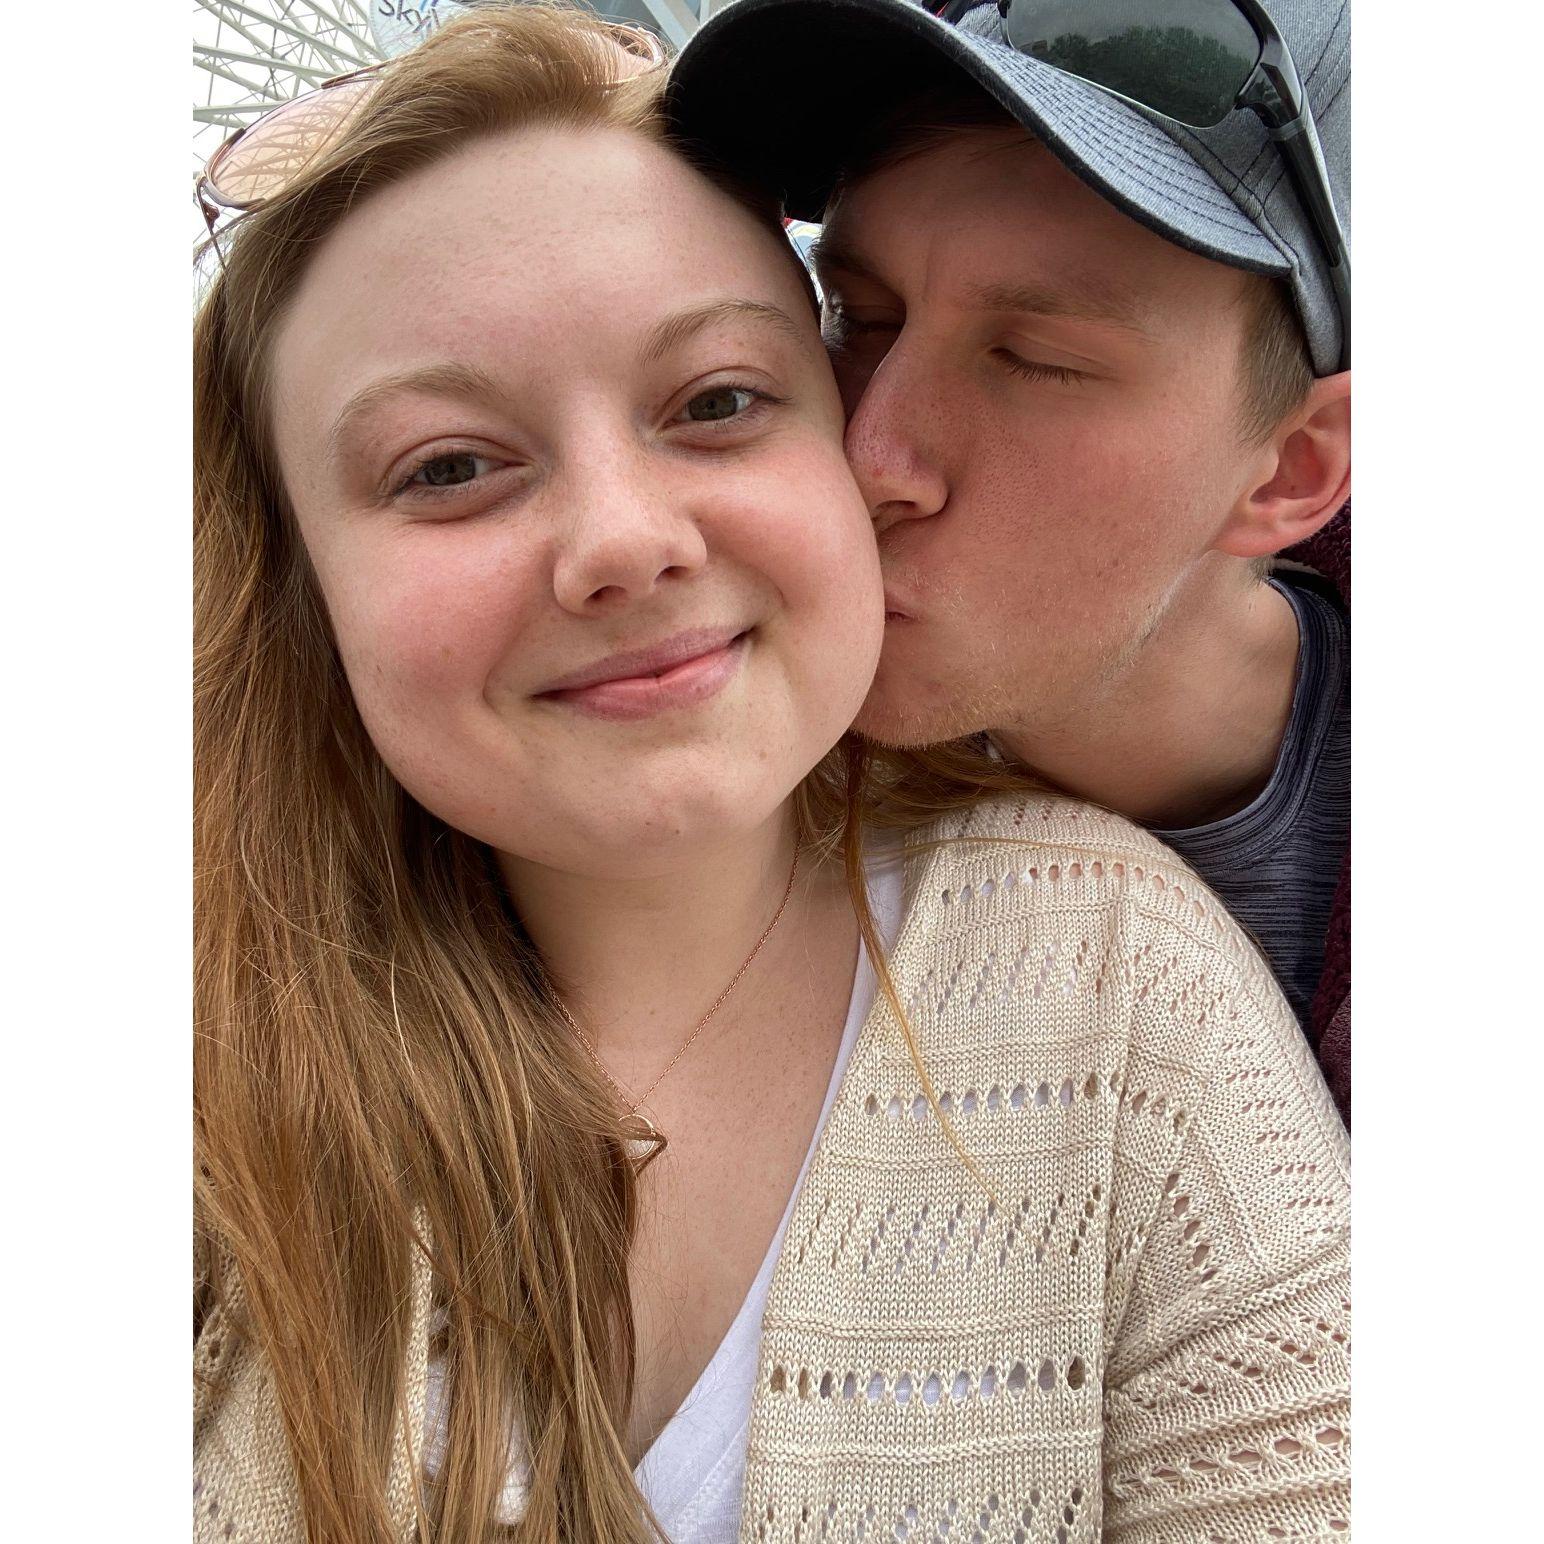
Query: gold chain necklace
(648, 1134)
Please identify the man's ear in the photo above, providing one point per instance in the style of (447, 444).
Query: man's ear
(1300, 478)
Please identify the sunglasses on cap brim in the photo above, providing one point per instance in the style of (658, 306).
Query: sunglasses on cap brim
(1195, 62)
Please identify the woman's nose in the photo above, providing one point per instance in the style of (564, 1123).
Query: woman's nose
(628, 536)
(893, 438)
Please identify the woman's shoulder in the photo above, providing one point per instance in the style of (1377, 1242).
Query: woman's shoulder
(1038, 853)
(1100, 1136)
(1054, 822)
(1037, 922)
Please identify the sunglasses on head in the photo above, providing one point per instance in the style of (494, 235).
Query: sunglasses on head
(259, 161)
(1193, 61)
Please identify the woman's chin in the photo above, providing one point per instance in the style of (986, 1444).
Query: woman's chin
(583, 809)
(643, 829)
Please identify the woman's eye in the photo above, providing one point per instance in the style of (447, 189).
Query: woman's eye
(451, 470)
(719, 403)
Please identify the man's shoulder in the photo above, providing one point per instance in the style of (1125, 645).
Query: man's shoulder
(1300, 577)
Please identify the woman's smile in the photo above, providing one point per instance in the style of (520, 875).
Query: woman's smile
(686, 670)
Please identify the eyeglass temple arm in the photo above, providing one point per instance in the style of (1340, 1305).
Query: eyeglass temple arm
(1275, 94)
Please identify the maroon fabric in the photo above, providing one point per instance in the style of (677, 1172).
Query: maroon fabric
(1331, 1017)
(1329, 552)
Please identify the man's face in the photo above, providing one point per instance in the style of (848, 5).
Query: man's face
(1043, 400)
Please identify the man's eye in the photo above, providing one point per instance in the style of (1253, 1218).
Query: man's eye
(719, 403)
(839, 327)
(450, 470)
(1033, 370)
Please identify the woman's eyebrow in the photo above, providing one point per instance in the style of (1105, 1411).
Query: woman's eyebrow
(675, 330)
(456, 380)
(445, 380)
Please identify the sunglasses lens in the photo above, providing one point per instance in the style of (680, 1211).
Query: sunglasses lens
(640, 41)
(1187, 59)
(277, 148)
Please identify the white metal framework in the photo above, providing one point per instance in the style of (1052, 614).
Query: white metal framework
(250, 55)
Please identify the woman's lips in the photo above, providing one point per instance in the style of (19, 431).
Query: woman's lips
(682, 684)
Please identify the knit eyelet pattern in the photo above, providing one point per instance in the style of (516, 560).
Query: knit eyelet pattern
(1140, 1333)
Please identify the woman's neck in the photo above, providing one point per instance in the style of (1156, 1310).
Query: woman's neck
(639, 960)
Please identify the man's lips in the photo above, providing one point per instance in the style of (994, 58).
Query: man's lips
(688, 669)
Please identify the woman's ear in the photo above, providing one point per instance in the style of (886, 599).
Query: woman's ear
(1301, 477)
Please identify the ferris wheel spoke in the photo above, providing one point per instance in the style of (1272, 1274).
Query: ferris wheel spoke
(251, 88)
(305, 72)
(330, 16)
(362, 52)
(222, 14)
(230, 117)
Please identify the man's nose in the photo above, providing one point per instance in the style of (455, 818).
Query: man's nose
(628, 534)
(893, 444)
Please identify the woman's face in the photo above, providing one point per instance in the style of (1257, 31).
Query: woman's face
(565, 451)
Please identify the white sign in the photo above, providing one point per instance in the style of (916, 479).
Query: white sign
(398, 25)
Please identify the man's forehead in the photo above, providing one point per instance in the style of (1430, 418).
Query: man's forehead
(998, 223)
(1026, 280)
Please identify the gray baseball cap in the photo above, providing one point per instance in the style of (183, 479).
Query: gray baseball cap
(780, 90)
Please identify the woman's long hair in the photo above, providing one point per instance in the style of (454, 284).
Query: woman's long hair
(374, 1050)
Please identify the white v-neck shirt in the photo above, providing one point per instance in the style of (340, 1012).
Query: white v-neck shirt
(693, 1476)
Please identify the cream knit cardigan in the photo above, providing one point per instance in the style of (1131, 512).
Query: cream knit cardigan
(1144, 1336)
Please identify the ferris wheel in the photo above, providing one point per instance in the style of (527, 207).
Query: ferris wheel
(252, 55)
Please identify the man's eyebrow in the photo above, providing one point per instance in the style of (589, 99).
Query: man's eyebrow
(1074, 303)
(675, 330)
(444, 380)
(1080, 304)
(829, 250)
